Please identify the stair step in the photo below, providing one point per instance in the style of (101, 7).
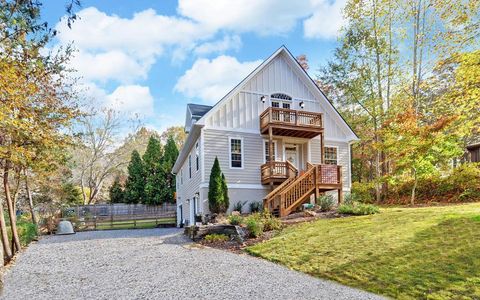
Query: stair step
(276, 212)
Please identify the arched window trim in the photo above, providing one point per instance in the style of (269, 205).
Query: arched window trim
(280, 96)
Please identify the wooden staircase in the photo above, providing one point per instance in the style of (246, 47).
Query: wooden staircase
(295, 191)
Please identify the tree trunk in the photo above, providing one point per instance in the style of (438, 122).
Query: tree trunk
(414, 188)
(30, 201)
(4, 235)
(11, 212)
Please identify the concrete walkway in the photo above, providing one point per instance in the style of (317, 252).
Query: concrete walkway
(154, 264)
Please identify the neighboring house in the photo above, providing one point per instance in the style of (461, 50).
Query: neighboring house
(268, 134)
(474, 152)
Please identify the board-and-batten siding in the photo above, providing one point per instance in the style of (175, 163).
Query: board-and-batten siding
(343, 157)
(216, 144)
(243, 109)
(190, 186)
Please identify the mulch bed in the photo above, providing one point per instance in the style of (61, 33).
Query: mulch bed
(292, 219)
(236, 247)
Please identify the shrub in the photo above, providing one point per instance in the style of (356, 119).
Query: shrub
(255, 207)
(358, 209)
(214, 238)
(217, 190)
(254, 225)
(238, 206)
(271, 223)
(363, 191)
(326, 202)
(27, 232)
(235, 219)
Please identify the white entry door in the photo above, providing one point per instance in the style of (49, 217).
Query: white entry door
(291, 154)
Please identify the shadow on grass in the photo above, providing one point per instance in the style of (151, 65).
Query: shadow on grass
(441, 262)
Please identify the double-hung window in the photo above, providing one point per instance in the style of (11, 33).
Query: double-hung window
(267, 151)
(190, 166)
(197, 157)
(331, 155)
(236, 153)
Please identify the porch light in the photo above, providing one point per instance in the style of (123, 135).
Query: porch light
(263, 98)
(302, 104)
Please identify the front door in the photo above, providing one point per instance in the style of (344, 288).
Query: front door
(291, 154)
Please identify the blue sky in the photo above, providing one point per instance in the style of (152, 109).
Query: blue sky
(153, 57)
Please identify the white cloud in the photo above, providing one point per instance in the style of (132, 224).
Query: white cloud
(131, 99)
(123, 49)
(260, 16)
(220, 46)
(326, 21)
(111, 65)
(210, 80)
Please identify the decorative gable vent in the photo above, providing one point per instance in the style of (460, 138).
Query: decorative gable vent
(281, 96)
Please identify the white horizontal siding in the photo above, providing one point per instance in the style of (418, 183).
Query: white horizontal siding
(343, 157)
(190, 186)
(216, 144)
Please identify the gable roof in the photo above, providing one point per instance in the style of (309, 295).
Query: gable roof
(352, 136)
(205, 110)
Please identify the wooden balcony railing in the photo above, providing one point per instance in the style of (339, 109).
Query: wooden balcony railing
(290, 119)
(277, 171)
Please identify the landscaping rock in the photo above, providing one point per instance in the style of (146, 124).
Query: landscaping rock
(199, 232)
(310, 213)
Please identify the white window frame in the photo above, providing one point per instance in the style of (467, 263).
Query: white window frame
(230, 138)
(197, 157)
(325, 152)
(181, 176)
(274, 151)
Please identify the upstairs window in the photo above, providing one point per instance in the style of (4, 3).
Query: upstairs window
(190, 166)
(197, 157)
(236, 153)
(331, 156)
(280, 96)
(181, 176)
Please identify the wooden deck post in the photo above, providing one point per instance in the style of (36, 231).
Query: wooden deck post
(322, 149)
(316, 181)
(270, 153)
(340, 182)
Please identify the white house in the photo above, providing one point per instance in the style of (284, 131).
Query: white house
(278, 140)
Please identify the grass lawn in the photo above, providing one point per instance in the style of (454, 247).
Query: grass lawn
(405, 253)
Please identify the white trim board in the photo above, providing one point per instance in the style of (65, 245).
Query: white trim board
(239, 186)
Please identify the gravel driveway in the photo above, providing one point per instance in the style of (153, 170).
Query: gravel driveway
(154, 264)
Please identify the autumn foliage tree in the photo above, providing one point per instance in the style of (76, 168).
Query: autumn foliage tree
(36, 102)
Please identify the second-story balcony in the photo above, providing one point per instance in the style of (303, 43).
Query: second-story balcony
(289, 122)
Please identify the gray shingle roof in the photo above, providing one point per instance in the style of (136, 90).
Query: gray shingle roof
(198, 110)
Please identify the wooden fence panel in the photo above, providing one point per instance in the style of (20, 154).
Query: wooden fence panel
(120, 216)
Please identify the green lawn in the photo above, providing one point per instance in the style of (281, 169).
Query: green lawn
(405, 253)
(140, 224)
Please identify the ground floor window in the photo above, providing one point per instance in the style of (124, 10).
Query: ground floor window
(267, 150)
(236, 153)
(331, 155)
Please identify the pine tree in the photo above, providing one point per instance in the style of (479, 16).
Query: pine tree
(116, 192)
(226, 200)
(169, 158)
(215, 189)
(135, 185)
(154, 174)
